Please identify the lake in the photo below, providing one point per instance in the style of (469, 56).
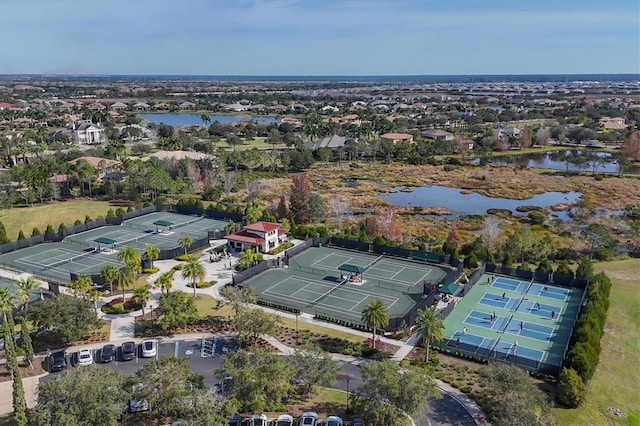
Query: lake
(176, 120)
(459, 203)
(560, 160)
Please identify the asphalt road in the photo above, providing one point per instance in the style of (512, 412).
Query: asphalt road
(445, 411)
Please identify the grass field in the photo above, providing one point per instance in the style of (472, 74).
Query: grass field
(615, 383)
(67, 212)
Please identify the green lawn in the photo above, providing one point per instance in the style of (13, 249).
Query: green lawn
(26, 218)
(615, 383)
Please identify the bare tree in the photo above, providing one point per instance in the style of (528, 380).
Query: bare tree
(230, 179)
(490, 232)
(254, 188)
(542, 136)
(340, 207)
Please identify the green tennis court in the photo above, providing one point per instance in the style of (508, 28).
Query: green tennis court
(313, 284)
(512, 320)
(78, 252)
(55, 261)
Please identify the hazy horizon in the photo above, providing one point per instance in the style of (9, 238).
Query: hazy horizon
(328, 38)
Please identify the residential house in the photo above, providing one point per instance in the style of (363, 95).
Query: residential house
(260, 236)
(5, 105)
(119, 106)
(508, 132)
(141, 106)
(615, 123)
(299, 109)
(462, 142)
(329, 109)
(187, 105)
(397, 137)
(236, 107)
(333, 141)
(96, 106)
(87, 133)
(437, 135)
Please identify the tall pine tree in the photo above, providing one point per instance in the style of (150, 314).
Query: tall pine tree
(3, 235)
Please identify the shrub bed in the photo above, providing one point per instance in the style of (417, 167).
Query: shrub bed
(281, 248)
(202, 284)
(120, 306)
(150, 270)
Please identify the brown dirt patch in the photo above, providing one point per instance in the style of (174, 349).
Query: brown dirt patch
(25, 369)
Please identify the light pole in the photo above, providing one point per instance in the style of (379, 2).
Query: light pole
(347, 394)
(297, 314)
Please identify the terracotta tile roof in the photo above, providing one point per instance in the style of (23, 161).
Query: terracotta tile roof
(262, 226)
(245, 237)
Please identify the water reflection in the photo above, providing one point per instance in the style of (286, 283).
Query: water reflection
(571, 160)
(459, 203)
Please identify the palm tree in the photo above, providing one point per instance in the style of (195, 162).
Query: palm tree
(185, 243)
(205, 120)
(109, 273)
(430, 327)
(7, 303)
(82, 284)
(142, 295)
(125, 279)
(194, 271)
(375, 315)
(93, 296)
(151, 252)
(131, 258)
(25, 287)
(164, 281)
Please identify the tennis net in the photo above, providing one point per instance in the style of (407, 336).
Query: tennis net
(188, 222)
(378, 259)
(140, 226)
(529, 286)
(507, 324)
(493, 348)
(519, 303)
(328, 293)
(69, 260)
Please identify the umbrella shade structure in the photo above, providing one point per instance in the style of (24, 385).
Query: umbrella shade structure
(449, 288)
(351, 268)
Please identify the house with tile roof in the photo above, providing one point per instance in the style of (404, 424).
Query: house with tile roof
(260, 236)
(397, 137)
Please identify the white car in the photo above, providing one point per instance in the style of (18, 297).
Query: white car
(284, 420)
(309, 419)
(334, 421)
(85, 357)
(258, 420)
(149, 348)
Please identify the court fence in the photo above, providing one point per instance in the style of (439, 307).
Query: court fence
(288, 254)
(242, 276)
(561, 280)
(450, 346)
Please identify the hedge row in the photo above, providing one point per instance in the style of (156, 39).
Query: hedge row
(585, 350)
(279, 307)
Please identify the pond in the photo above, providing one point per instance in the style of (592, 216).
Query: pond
(176, 120)
(574, 161)
(459, 203)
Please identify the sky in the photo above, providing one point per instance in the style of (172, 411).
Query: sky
(319, 37)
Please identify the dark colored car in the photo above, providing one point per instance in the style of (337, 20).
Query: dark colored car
(108, 353)
(128, 351)
(57, 360)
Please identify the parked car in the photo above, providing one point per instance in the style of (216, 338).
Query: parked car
(235, 420)
(357, 422)
(334, 421)
(108, 353)
(128, 351)
(149, 348)
(284, 420)
(258, 420)
(85, 357)
(57, 360)
(309, 419)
